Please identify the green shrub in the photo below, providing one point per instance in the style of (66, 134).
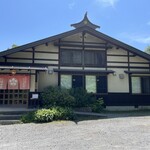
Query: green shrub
(29, 117)
(44, 115)
(98, 105)
(55, 96)
(82, 98)
(48, 115)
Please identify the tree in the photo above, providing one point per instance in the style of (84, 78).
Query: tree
(147, 50)
(14, 45)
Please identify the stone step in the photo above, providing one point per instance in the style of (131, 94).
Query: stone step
(13, 113)
(9, 122)
(10, 117)
(8, 111)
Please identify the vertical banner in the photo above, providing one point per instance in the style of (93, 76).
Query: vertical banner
(13, 82)
(3, 82)
(24, 82)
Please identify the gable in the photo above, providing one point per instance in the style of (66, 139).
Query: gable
(92, 36)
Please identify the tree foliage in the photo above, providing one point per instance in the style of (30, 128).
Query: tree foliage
(147, 50)
(14, 45)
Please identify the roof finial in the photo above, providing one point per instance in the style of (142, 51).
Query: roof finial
(85, 22)
(85, 14)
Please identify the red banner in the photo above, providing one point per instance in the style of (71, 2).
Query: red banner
(13, 82)
(21, 82)
(3, 82)
(24, 81)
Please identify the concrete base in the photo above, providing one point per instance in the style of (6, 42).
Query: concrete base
(126, 108)
(9, 109)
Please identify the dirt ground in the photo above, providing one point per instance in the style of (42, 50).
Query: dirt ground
(123, 133)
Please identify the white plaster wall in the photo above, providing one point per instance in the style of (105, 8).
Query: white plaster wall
(46, 80)
(49, 48)
(98, 49)
(139, 65)
(71, 68)
(21, 55)
(46, 56)
(75, 37)
(132, 69)
(115, 51)
(137, 59)
(32, 83)
(117, 64)
(91, 68)
(115, 84)
(114, 58)
(19, 61)
(78, 37)
(91, 38)
(46, 62)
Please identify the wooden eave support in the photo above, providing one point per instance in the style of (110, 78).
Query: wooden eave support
(81, 46)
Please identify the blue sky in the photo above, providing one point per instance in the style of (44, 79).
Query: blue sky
(25, 21)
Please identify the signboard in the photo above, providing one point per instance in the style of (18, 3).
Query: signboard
(35, 96)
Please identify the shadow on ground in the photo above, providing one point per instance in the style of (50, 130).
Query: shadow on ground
(79, 118)
(85, 116)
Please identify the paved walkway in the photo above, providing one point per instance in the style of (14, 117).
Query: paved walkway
(124, 133)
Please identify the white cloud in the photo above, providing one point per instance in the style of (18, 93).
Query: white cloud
(71, 5)
(144, 40)
(107, 3)
(137, 38)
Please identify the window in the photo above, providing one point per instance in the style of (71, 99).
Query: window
(136, 85)
(66, 81)
(91, 84)
(71, 57)
(95, 58)
(74, 58)
(140, 85)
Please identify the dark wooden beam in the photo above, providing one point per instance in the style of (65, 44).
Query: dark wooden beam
(28, 64)
(80, 42)
(81, 46)
(33, 54)
(48, 52)
(84, 71)
(22, 58)
(137, 72)
(128, 61)
(5, 58)
(59, 53)
(83, 49)
(133, 67)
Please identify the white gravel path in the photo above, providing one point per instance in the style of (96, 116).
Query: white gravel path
(129, 133)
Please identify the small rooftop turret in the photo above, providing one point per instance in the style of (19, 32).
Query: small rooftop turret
(85, 22)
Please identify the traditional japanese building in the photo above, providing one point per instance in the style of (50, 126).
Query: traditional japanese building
(83, 57)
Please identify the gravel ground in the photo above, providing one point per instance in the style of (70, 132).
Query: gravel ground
(126, 133)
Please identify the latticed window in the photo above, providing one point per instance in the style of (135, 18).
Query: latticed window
(140, 85)
(75, 58)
